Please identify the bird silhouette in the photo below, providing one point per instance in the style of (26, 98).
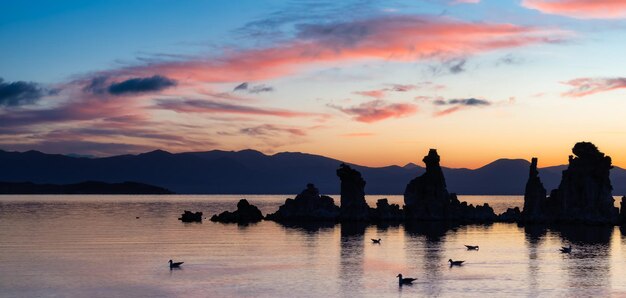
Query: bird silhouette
(566, 250)
(455, 263)
(377, 241)
(174, 265)
(405, 281)
(472, 247)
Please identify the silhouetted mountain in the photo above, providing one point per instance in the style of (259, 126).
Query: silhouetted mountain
(250, 171)
(87, 187)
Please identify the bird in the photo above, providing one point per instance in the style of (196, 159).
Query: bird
(174, 265)
(566, 250)
(405, 281)
(455, 263)
(377, 241)
(472, 247)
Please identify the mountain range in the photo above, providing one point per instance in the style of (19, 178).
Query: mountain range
(252, 172)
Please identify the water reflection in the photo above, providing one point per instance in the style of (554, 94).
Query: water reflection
(351, 258)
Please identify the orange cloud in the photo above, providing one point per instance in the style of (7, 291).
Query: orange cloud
(588, 86)
(378, 110)
(582, 9)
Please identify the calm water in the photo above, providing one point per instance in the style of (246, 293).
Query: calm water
(93, 246)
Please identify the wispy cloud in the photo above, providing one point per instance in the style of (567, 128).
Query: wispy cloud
(377, 110)
(455, 105)
(582, 9)
(272, 130)
(20, 93)
(255, 89)
(390, 38)
(208, 106)
(103, 85)
(588, 86)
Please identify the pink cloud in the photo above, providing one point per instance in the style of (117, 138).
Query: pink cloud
(378, 94)
(396, 38)
(378, 110)
(582, 9)
(588, 86)
(448, 111)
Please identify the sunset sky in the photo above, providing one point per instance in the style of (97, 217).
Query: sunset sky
(369, 82)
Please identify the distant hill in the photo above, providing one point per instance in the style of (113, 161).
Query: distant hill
(252, 172)
(87, 187)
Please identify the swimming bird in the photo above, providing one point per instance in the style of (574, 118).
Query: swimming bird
(405, 281)
(455, 263)
(376, 241)
(472, 247)
(566, 250)
(175, 265)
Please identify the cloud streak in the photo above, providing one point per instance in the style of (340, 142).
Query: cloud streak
(377, 110)
(588, 86)
(581, 9)
(455, 105)
(208, 106)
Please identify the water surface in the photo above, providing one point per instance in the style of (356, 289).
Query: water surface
(94, 246)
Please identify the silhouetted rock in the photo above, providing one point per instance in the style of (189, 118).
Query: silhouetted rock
(307, 206)
(189, 216)
(386, 212)
(426, 198)
(245, 213)
(584, 194)
(353, 205)
(622, 208)
(510, 215)
(534, 196)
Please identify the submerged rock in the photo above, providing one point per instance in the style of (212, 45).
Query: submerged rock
(307, 206)
(353, 205)
(245, 213)
(426, 198)
(189, 216)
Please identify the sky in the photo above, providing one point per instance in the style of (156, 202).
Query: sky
(374, 83)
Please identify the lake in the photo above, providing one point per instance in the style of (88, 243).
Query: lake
(94, 246)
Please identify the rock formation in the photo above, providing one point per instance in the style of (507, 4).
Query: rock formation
(622, 209)
(583, 196)
(189, 216)
(426, 198)
(353, 205)
(307, 206)
(534, 196)
(245, 213)
(387, 212)
(511, 215)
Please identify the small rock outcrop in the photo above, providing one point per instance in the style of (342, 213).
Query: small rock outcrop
(426, 198)
(510, 215)
(307, 206)
(387, 212)
(189, 216)
(534, 196)
(353, 205)
(245, 213)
